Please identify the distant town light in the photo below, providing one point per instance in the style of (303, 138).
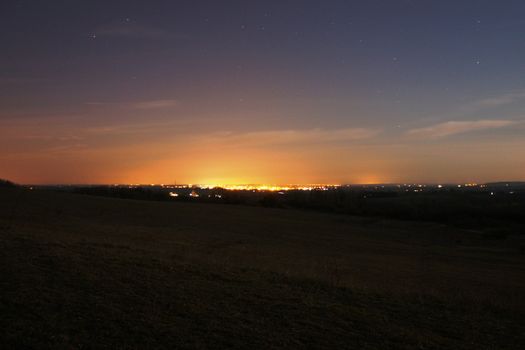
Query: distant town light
(270, 188)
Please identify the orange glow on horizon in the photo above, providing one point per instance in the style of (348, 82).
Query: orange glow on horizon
(273, 159)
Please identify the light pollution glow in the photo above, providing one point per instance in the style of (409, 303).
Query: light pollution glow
(206, 159)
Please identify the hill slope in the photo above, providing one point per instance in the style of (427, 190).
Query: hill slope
(87, 272)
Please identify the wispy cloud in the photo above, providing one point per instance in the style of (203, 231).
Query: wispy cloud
(458, 127)
(301, 136)
(501, 100)
(155, 104)
(139, 105)
(492, 102)
(135, 128)
(49, 137)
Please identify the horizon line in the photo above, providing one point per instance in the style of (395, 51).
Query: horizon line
(191, 184)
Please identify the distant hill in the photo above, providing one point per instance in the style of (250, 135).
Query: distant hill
(6, 183)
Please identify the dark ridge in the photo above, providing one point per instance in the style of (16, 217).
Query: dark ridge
(7, 183)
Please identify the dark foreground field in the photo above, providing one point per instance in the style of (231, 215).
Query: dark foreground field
(85, 272)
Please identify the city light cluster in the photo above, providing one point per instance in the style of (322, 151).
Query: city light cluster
(270, 188)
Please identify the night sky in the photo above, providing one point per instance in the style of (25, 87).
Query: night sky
(223, 92)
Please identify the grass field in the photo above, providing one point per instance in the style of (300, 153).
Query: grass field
(80, 272)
